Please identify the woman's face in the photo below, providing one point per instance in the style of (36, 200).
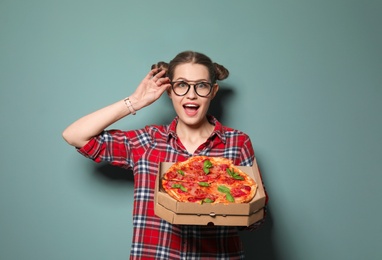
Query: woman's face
(191, 108)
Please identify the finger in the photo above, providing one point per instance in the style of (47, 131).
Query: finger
(151, 74)
(165, 80)
(165, 87)
(162, 81)
(159, 74)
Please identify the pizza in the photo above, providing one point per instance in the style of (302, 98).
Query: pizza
(204, 179)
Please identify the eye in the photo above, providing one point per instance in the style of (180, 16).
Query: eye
(181, 84)
(202, 85)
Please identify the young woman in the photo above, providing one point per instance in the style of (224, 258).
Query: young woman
(190, 81)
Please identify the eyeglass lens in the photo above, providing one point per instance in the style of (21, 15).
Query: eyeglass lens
(181, 88)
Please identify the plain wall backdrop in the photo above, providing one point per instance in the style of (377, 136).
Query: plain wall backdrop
(305, 84)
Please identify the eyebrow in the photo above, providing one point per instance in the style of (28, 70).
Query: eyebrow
(196, 80)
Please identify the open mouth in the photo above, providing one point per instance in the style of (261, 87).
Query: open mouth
(191, 109)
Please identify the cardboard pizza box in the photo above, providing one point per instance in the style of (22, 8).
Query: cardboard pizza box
(219, 214)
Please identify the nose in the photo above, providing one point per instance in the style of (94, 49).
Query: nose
(191, 92)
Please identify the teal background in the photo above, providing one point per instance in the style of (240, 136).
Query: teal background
(305, 84)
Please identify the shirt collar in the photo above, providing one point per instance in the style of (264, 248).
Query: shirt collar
(218, 130)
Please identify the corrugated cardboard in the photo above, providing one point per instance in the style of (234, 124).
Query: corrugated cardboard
(189, 213)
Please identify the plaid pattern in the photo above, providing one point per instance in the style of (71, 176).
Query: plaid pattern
(142, 150)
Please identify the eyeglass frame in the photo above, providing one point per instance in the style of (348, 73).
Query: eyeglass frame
(189, 86)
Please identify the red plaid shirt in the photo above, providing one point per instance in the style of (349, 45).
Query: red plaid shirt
(142, 150)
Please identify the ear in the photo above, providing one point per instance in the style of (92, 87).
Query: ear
(169, 92)
(215, 89)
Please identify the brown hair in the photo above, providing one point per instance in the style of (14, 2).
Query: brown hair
(216, 71)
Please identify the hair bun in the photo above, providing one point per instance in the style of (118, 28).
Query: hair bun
(220, 71)
(160, 66)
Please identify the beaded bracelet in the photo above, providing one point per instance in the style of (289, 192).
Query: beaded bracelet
(129, 106)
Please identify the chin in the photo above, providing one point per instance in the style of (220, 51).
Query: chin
(192, 121)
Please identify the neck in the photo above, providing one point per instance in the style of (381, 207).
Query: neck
(194, 133)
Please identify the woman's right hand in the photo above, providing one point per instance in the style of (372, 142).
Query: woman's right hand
(150, 89)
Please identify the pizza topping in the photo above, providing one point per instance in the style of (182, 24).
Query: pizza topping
(222, 167)
(240, 191)
(234, 174)
(202, 179)
(196, 166)
(227, 180)
(199, 194)
(206, 166)
(229, 197)
(188, 178)
(247, 188)
(204, 184)
(171, 175)
(227, 192)
(192, 199)
(237, 192)
(207, 200)
(179, 186)
(223, 189)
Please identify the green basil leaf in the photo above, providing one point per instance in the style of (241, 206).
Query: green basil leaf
(207, 200)
(234, 175)
(229, 197)
(223, 189)
(230, 173)
(207, 164)
(179, 186)
(181, 172)
(204, 184)
(238, 177)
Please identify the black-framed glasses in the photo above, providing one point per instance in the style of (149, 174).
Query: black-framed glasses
(181, 88)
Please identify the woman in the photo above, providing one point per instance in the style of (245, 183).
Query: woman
(190, 80)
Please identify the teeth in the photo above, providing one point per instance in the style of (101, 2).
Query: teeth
(190, 105)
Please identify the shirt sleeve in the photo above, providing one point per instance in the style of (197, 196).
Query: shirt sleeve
(247, 158)
(255, 226)
(119, 148)
(247, 154)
